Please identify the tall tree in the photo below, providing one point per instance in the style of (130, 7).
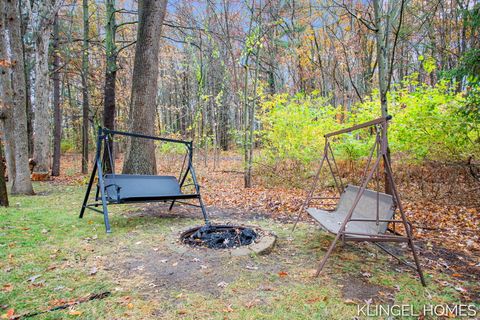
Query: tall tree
(41, 20)
(111, 66)
(110, 73)
(85, 101)
(6, 98)
(57, 113)
(22, 182)
(388, 20)
(141, 154)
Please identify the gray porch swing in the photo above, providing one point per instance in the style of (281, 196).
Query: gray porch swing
(362, 214)
(115, 188)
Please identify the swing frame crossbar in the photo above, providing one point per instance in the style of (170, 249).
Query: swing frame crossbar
(378, 154)
(104, 154)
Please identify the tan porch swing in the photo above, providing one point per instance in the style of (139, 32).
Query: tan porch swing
(362, 214)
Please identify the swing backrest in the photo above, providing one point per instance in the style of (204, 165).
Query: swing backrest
(366, 209)
(122, 187)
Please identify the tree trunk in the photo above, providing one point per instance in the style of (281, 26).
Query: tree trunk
(248, 175)
(3, 185)
(57, 114)
(28, 59)
(42, 27)
(385, 53)
(141, 155)
(6, 98)
(85, 102)
(23, 183)
(110, 76)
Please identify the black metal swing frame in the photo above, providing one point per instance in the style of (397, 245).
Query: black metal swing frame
(105, 195)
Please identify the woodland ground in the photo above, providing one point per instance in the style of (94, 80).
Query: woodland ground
(48, 257)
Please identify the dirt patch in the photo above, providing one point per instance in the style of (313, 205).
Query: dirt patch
(365, 292)
(169, 273)
(160, 210)
(162, 270)
(451, 262)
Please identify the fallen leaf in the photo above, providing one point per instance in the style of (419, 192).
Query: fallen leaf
(75, 313)
(315, 300)
(7, 287)
(6, 63)
(50, 268)
(228, 308)
(252, 303)
(283, 274)
(349, 301)
(10, 313)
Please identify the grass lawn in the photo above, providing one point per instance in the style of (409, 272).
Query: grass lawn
(49, 257)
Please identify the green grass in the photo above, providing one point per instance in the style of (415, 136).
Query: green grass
(42, 236)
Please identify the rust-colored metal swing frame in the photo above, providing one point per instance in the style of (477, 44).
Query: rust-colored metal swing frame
(378, 153)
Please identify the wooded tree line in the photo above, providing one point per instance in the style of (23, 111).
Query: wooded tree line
(69, 66)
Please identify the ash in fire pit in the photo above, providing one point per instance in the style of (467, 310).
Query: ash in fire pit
(219, 237)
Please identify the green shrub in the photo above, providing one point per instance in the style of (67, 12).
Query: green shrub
(293, 127)
(171, 148)
(429, 123)
(67, 146)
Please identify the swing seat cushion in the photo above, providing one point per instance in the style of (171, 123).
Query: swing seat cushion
(132, 187)
(365, 209)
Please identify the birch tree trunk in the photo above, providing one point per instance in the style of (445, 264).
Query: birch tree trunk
(42, 18)
(141, 153)
(23, 183)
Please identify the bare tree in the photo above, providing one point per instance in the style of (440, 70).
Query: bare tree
(388, 20)
(41, 21)
(85, 101)
(57, 113)
(6, 97)
(141, 154)
(22, 182)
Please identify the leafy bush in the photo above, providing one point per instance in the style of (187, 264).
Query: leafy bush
(67, 146)
(293, 127)
(170, 148)
(429, 123)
